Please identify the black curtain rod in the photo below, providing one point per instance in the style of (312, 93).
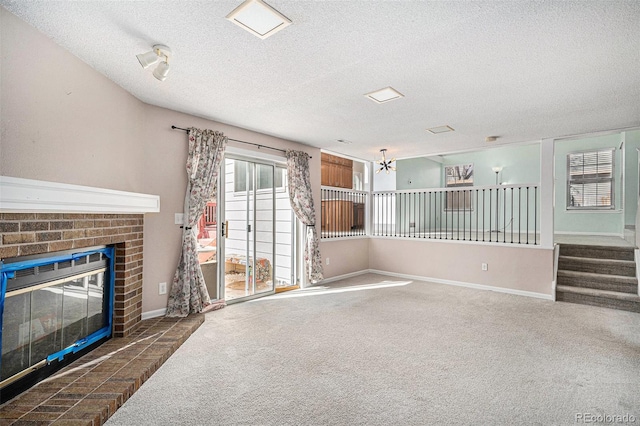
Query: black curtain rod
(236, 140)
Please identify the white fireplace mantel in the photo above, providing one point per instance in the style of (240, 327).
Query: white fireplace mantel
(27, 195)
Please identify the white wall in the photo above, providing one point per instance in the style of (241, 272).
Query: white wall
(62, 120)
(631, 146)
(383, 181)
(420, 172)
(609, 222)
(345, 256)
(509, 267)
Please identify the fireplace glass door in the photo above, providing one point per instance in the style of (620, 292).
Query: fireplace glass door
(52, 308)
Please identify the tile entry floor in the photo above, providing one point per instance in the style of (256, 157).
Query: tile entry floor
(88, 391)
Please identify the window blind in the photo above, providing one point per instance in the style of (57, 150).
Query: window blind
(590, 179)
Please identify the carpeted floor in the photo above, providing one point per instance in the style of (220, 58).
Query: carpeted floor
(375, 350)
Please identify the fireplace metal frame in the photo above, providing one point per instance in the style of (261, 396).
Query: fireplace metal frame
(8, 270)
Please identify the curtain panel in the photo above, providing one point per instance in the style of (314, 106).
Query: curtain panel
(301, 198)
(206, 150)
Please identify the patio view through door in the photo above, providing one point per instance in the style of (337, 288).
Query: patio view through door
(256, 229)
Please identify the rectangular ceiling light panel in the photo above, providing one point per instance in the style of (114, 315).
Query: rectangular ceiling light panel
(258, 18)
(440, 129)
(384, 95)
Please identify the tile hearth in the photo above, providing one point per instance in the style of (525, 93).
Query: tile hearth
(91, 389)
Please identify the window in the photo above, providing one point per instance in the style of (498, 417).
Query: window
(265, 179)
(458, 176)
(590, 179)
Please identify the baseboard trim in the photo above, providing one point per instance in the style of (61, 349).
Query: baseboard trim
(468, 285)
(154, 314)
(342, 277)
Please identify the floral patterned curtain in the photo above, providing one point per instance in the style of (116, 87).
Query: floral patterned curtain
(301, 199)
(206, 149)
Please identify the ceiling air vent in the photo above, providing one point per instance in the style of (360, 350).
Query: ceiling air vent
(258, 18)
(440, 129)
(384, 95)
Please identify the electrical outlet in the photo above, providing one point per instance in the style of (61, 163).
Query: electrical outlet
(162, 288)
(178, 218)
(327, 261)
(485, 266)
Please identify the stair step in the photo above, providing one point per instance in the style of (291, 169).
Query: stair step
(618, 283)
(602, 298)
(625, 268)
(597, 252)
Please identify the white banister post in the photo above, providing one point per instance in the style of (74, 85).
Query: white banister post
(547, 183)
(637, 223)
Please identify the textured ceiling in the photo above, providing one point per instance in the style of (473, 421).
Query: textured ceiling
(520, 70)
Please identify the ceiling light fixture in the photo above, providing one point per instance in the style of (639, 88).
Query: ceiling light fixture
(258, 18)
(440, 129)
(344, 141)
(490, 138)
(160, 53)
(384, 164)
(384, 95)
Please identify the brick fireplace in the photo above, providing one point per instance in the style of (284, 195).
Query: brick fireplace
(24, 234)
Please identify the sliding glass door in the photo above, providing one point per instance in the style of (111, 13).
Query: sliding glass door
(249, 228)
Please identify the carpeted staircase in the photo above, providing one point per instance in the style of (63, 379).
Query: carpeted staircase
(599, 276)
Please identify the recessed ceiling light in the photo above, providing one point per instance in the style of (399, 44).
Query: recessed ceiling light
(490, 139)
(344, 141)
(384, 95)
(440, 129)
(258, 18)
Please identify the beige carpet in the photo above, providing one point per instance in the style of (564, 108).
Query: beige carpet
(375, 350)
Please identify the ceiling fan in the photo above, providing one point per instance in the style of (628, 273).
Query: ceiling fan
(384, 164)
